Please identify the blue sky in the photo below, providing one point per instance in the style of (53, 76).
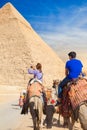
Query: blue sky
(61, 23)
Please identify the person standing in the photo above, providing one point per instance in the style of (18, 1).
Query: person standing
(73, 69)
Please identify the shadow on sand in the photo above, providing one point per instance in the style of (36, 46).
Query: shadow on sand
(15, 106)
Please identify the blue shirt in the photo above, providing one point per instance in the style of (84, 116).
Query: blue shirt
(74, 67)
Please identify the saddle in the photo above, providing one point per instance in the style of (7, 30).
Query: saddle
(73, 95)
(78, 92)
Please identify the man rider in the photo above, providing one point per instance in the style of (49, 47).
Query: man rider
(73, 69)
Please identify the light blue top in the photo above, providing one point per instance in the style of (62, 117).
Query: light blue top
(37, 74)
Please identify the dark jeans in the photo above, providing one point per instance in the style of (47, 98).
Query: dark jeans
(49, 115)
(61, 85)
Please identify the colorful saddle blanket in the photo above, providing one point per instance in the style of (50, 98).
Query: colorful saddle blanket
(78, 92)
(73, 95)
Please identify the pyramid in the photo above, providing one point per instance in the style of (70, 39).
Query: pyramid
(20, 47)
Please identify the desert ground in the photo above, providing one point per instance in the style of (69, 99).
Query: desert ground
(11, 119)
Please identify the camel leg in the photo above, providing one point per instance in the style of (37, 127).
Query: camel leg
(66, 120)
(58, 122)
(83, 116)
(33, 114)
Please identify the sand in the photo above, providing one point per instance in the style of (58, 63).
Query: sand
(13, 120)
